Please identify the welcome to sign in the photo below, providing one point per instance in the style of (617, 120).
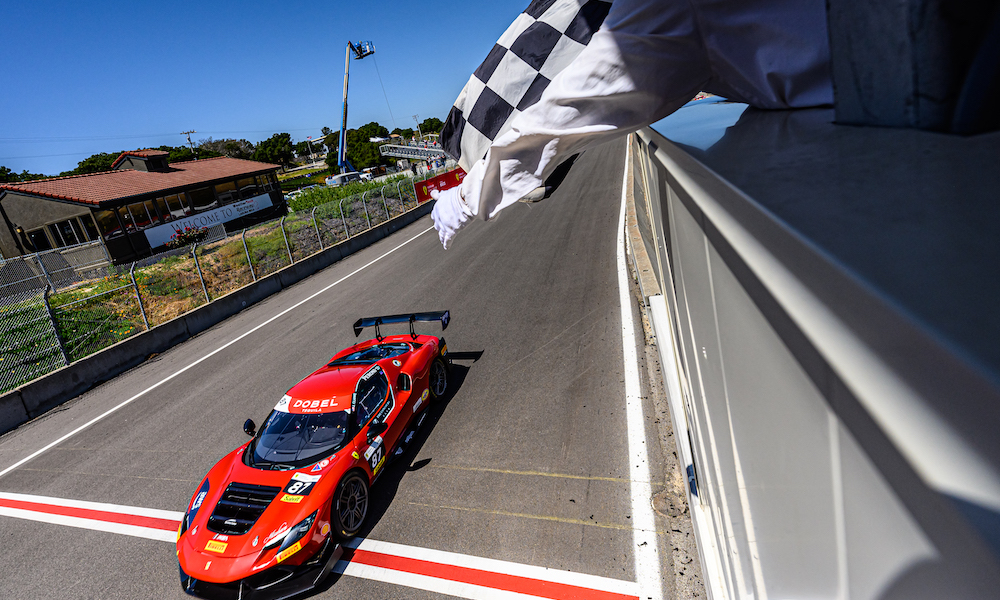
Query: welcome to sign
(161, 234)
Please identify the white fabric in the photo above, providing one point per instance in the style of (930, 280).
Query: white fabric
(648, 59)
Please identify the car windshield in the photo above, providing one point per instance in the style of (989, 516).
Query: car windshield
(291, 441)
(372, 354)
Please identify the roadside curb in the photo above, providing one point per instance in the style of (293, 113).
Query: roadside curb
(40, 395)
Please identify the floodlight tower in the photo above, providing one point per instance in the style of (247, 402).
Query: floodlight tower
(359, 50)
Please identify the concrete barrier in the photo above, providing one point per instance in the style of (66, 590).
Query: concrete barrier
(45, 393)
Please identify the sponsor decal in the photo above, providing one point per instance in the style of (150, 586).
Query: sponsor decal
(312, 406)
(208, 564)
(371, 373)
(444, 349)
(216, 546)
(396, 363)
(277, 533)
(256, 540)
(198, 500)
(356, 455)
(282, 405)
(289, 551)
(408, 438)
(381, 462)
(385, 412)
(325, 530)
(420, 402)
(220, 537)
(292, 499)
(376, 443)
(321, 465)
(301, 484)
(179, 531)
(195, 530)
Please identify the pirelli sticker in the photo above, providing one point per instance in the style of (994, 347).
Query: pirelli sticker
(289, 551)
(216, 546)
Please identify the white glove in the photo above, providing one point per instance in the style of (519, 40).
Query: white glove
(450, 214)
(455, 207)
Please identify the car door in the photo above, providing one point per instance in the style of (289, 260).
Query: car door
(372, 404)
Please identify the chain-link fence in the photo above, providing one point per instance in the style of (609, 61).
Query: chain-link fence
(57, 307)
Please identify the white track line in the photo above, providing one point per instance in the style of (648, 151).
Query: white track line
(433, 583)
(203, 358)
(647, 554)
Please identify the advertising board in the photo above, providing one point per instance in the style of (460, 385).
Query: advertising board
(161, 234)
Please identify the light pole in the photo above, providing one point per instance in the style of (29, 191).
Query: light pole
(416, 119)
(361, 50)
(309, 141)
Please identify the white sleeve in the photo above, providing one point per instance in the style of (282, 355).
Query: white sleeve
(645, 62)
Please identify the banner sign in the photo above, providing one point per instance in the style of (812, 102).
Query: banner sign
(161, 234)
(442, 182)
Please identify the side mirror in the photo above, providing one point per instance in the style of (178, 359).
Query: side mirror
(376, 429)
(250, 428)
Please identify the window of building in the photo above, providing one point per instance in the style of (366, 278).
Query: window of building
(177, 205)
(126, 217)
(203, 199)
(140, 218)
(107, 223)
(161, 207)
(227, 192)
(248, 187)
(39, 240)
(89, 227)
(154, 217)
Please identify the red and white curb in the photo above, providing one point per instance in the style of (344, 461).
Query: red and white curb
(420, 568)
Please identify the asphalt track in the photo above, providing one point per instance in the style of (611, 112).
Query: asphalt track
(526, 462)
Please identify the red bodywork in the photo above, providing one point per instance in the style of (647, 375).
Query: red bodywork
(219, 558)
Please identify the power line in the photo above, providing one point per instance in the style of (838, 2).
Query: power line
(384, 94)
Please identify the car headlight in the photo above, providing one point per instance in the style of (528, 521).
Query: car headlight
(291, 541)
(189, 516)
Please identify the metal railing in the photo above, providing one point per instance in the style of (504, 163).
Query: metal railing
(49, 318)
(817, 463)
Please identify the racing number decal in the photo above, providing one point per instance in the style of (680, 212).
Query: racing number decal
(301, 484)
(376, 458)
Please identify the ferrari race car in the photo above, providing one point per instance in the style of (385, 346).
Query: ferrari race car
(268, 519)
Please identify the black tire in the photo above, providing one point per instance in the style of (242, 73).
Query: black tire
(350, 505)
(438, 379)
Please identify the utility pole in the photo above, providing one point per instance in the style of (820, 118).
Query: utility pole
(191, 144)
(309, 140)
(416, 118)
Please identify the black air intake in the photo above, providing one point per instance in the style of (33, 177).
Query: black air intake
(239, 508)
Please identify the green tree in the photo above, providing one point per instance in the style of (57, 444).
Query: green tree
(361, 152)
(95, 163)
(431, 125)
(406, 134)
(276, 149)
(232, 148)
(8, 176)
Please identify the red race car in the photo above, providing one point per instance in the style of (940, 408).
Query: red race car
(268, 519)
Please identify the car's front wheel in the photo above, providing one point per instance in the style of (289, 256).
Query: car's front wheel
(350, 505)
(438, 383)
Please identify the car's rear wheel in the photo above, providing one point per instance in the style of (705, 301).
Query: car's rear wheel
(438, 383)
(350, 505)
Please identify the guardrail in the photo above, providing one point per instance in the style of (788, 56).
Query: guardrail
(818, 463)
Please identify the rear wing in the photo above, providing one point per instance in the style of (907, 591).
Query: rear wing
(360, 324)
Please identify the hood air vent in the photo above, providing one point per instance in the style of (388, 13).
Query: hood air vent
(239, 508)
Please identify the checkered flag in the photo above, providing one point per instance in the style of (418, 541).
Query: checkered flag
(539, 44)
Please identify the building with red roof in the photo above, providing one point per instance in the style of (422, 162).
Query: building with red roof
(137, 206)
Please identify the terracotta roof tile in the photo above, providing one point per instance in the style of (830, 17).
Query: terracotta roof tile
(109, 186)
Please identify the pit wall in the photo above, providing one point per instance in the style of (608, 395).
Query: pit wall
(45, 393)
(815, 465)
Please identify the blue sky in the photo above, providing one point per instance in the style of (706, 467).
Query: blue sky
(89, 77)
